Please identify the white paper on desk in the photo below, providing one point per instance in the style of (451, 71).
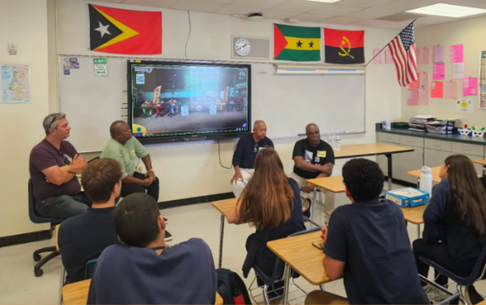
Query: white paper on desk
(458, 70)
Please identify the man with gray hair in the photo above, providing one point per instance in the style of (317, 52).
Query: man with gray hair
(245, 154)
(53, 166)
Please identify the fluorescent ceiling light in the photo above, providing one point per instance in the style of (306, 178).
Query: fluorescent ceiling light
(325, 1)
(447, 10)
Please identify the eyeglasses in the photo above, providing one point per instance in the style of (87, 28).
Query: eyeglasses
(53, 120)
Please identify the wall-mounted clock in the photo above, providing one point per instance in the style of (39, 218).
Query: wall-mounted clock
(242, 47)
(250, 47)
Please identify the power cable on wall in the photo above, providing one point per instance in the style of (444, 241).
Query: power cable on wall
(190, 30)
(219, 156)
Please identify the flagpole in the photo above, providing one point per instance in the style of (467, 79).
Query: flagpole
(389, 43)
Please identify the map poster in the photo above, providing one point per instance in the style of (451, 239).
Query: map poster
(15, 84)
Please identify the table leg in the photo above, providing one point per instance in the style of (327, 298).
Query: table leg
(418, 231)
(286, 284)
(221, 235)
(389, 159)
(314, 197)
(484, 170)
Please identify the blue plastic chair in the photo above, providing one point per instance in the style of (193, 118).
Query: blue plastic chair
(276, 275)
(89, 268)
(478, 272)
(36, 218)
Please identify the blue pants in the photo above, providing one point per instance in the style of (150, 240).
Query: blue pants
(63, 207)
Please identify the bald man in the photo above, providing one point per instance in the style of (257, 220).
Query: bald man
(245, 154)
(127, 149)
(313, 158)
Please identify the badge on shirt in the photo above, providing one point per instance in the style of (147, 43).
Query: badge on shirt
(133, 152)
(308, 156)
(321, 153)
(260, 148)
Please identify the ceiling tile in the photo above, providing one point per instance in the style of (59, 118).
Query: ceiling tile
(336, 10)
(400, 6)
(471, 3)
(196, 5)
(300, 6)
(425, 20)
(311, 17)
(363, 3)
(271, 14)
(342, 20)
(258, 3)
(370, 13)
(152, 3)
(377, 24)
(245, 10)
(217, 1)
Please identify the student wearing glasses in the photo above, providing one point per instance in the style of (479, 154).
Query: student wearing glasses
(53, 166)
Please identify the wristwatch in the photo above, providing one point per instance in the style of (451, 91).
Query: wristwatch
(151, 170)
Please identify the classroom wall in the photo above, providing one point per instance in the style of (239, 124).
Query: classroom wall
(190, 171)
(23, 22)
(469, 32)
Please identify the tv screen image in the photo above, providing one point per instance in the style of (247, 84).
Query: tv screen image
(171, 102)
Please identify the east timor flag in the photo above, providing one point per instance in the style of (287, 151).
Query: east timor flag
(343, 47)
(297, 43)
(119, 31)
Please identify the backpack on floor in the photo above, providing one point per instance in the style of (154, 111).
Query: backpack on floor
(231, 288)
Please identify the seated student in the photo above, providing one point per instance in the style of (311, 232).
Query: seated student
(271, 203)
(127, 149)
(367, 244)
(245, 153)
(53, 166)
(143, 269)
(455, 223)
(84, 237)
(313, 158)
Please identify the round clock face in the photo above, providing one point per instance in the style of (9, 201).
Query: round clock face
(242, 47)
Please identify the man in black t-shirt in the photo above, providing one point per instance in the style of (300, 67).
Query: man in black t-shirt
(313, 158)
(245, 154)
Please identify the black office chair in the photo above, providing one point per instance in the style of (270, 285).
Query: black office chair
(36, 218)
(478, 273)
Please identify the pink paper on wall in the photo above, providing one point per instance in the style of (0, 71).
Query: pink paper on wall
(378, 59)
(437, 89)
(456, 53)
(438, 54)
(470, 86)
(423, 56)
(415, 84)
(424, 81)
(450, 89)
(413, 97)
(388, 57)
(423, 97)
(439, 71)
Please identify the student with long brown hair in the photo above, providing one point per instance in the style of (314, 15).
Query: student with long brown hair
(455, 222)
(271, 203)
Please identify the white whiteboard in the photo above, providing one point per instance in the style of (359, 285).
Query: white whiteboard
(287, 103)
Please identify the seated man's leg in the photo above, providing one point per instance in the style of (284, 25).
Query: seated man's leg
(239, 186)
(153, 189)
(305, 196)
(324, 297)
(61, 207)
(329, 204)
(130, 188)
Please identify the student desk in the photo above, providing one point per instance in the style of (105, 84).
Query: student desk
(77, 293)
(483, 163)
(435, 174)
(415, 215)
(374, 149)
(225, 207)
(299, 254)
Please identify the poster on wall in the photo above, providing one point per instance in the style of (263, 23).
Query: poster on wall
(464, 105)
(15, 84)
(100, 66)
(482, 81)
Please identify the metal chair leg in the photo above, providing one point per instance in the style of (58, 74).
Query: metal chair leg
(265, 294)
(61, 283)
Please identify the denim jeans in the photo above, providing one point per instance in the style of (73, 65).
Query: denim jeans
(63, 207)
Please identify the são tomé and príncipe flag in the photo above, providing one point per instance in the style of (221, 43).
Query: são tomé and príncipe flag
(120, 31)
(297, 43)
(343, 47)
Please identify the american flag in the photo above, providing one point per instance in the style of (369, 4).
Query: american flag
(403, 53)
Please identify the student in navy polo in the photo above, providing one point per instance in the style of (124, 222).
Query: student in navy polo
(245, 153)
(53, 166)
(367, 244)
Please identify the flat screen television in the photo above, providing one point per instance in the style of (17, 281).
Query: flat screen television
(182, 101)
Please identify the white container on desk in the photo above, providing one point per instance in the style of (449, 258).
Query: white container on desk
(426, 180)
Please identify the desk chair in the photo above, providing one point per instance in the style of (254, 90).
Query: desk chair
(478, 273)
(277, 276)
(36, 218)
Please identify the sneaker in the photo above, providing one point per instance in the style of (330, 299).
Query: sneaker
(472, 296)
(166, 220)
(168, 236)
(434, 294)
(307, 202)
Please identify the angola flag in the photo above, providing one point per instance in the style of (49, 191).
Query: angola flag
(343, 47)
(297, 43)
(119, 31)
